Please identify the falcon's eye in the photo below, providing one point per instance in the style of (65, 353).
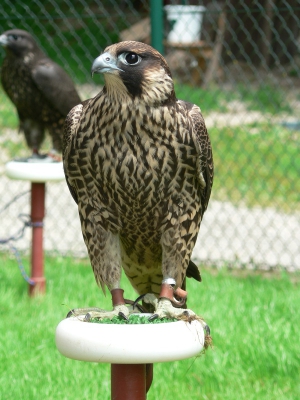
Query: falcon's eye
(130, 58)
(15, 37)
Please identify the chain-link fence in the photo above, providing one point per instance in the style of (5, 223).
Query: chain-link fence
(239, 61)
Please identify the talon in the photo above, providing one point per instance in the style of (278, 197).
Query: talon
(140, 308)
(134, 305)
(87, 317)
(207, 329)
(153, 317)
(70, 313)
(138, 299)
(123, 316)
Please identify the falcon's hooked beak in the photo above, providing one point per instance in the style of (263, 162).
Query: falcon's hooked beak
(105, 64)
(3, 40)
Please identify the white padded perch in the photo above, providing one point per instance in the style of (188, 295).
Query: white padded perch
(129, 343)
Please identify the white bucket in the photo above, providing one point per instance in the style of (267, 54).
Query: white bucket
(187, 23)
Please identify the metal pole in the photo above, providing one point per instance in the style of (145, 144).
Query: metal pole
(128, 381)
(37, 254)
(157, 24)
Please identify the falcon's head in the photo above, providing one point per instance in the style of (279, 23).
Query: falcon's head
(19, 43)
(137, 71)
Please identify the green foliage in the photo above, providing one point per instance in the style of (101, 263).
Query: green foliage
(254, 323)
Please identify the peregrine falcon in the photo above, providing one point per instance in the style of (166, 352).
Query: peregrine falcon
(138, 163)
(40, 89)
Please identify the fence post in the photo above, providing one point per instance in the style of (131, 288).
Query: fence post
(156, 14)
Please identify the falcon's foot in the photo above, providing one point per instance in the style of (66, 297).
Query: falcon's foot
(121, 308)
(165, 309)
(54, 156)
(86, 314)
(36, 157)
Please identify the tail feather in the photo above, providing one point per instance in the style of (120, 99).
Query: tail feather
(193, 271)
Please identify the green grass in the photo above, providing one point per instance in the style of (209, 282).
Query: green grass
(259, 169)
(265, 98)
(254, 323)
(214, 99)
(132, 320)
(8, 115)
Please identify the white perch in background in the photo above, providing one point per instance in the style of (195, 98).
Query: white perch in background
(35, 171)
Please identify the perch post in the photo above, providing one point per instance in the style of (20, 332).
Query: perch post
(128, 381)
(38, 173)
(37, 251)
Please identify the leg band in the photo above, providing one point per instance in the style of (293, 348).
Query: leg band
(117, 297)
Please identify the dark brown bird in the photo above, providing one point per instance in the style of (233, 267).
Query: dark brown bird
(139, 165)
(41, 90)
